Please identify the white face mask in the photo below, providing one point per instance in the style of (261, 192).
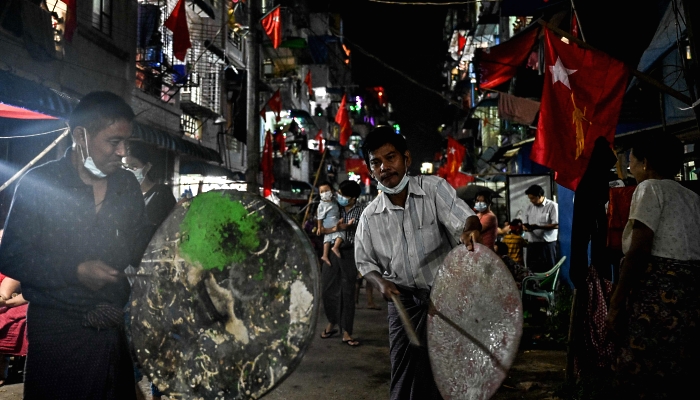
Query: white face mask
(396, 189)
(326, 196)
(88, 162)
(138, 173)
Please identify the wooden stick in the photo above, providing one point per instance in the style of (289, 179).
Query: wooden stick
(405, 320)
(34, 161)
(640, 75)
(311, 195)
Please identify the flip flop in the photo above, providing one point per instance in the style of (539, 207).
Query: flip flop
(351, 342)
(326, 335)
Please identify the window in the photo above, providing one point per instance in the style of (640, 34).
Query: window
(102, 16)
(191, 126)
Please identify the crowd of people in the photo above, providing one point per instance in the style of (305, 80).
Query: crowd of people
(77, 223)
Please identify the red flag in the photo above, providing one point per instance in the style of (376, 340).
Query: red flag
(273, 26)
(71, 19)
(459, 179)
(275, 104)
(266, 165)
(461, 42)
(581, 102)
(498, 64)
(281, 141)
(319, 139)
(307, 80)
(455, 156)
(177, 23)
(342, 118)
(357, 166)
(574, 25)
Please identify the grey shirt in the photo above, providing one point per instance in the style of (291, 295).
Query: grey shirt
(408, 245)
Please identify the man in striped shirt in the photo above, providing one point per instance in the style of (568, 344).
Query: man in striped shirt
(402, 238)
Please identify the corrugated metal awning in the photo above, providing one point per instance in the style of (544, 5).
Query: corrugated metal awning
(170, 142)
(20, 92)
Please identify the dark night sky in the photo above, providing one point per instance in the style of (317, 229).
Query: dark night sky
(409, 38)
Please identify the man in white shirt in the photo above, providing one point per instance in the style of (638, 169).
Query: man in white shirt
(402, 238)
(541, 221)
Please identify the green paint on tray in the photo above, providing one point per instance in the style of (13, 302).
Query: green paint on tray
(218, 231)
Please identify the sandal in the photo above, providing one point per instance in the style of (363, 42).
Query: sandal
(327, 334)
(351, 342)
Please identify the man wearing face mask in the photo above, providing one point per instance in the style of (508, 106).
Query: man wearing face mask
(158, 197)
(489, 221)
(74, 225)
(402, 238)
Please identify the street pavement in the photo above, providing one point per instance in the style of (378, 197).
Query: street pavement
(331, 369)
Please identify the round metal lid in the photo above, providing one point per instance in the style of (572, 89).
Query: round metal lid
(473, 338)
(224, 302)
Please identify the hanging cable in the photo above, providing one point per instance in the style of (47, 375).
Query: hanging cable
(32, 135)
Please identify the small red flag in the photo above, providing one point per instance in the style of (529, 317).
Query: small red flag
(342, 118)
(275, 104)
(499, 64)
(177, 23)
(273, 26)
(266, 165)
(71, 19)
(574, 25)
(307, 80)
(581, 101)
(319, 139)
(281, 141)
(461, 42)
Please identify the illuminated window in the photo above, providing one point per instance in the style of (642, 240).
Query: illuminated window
(191, 126)
(102, 16)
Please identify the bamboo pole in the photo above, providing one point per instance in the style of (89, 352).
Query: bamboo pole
(34, 161)
(639, 75)
(311, 195)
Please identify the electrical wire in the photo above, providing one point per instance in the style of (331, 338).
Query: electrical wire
(402, 74)
(32, 135)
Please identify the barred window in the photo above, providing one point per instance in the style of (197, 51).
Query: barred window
(191, 126)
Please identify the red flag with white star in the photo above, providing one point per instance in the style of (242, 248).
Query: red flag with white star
(273, 26)
(455, 156)
(177, 23)
(581, 101)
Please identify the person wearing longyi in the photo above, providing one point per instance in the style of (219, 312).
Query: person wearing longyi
(74, 225)
(402, 238)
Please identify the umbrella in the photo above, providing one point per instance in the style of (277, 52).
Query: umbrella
(468, 192)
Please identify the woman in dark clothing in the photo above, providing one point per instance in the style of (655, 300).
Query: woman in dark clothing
(655, 308)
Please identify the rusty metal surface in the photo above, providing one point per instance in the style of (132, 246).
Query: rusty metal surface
(474, 336)
(225, 300)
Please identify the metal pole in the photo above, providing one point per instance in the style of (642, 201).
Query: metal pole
(252, 103)
(692, 70)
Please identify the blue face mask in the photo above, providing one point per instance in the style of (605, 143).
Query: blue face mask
(342, 200)
(481, 206)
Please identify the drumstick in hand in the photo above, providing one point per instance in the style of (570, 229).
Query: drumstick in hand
(405, 320)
